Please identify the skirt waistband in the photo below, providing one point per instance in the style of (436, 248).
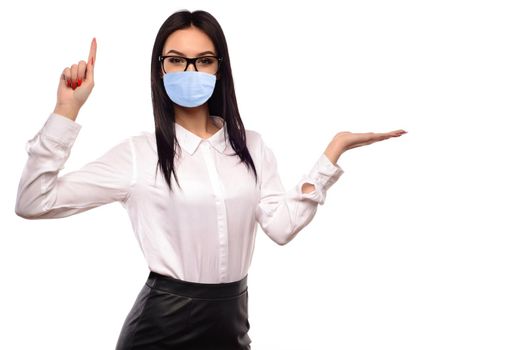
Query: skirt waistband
(196, 290)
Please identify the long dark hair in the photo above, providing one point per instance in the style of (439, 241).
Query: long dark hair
(222, 102)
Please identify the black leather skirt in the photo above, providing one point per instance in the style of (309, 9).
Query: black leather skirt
(174, 314)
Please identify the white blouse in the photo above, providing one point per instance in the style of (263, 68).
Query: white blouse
(204, 233)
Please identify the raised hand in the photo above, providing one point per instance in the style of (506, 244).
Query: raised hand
(350, 140)
(346, 140)
(75, 85)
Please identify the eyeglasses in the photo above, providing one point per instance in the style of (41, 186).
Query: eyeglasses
(207, 64)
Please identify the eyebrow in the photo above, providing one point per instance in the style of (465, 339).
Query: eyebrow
(201, 54)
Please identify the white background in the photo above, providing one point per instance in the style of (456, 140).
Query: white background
(419, 245)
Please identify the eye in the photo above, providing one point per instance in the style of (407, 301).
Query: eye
(206, 60)
(176, 60)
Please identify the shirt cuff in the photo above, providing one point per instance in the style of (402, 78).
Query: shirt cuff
(323, 175)
(326, 172)
(61, 129)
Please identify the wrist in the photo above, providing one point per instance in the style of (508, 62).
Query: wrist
(334, 150)
(68, 111)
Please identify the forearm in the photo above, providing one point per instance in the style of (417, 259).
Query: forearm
(47, 154)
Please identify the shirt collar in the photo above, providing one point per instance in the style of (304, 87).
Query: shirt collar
(189, 141)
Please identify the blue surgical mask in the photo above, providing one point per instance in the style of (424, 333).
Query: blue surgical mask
(189, 88)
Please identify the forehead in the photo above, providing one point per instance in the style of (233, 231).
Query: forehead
(190, 41)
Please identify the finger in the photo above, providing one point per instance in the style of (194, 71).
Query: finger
(66, 76)
(93, 50)
(74, 75)
(378, 136)
(395, 133)
(81, 72)
(91, 59)
(386, 135)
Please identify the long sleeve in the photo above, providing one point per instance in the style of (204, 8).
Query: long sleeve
(282, 214)
(43, 194)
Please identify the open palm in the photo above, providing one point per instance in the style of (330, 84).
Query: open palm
(349, 140)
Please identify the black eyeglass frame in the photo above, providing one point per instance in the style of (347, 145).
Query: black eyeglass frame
(189, 61)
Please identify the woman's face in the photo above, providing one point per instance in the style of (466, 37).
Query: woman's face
(189, 42)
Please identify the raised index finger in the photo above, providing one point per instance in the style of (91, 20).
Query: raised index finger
(93, 51)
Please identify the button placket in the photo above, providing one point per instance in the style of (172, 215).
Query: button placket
(218, 191)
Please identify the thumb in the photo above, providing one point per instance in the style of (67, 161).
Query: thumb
(91, 60)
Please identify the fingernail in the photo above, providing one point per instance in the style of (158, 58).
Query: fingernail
(69, 82)
(79, 82)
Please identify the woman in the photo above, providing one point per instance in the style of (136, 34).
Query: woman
(198, 236)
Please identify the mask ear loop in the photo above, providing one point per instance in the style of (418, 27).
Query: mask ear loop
(218, 75)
